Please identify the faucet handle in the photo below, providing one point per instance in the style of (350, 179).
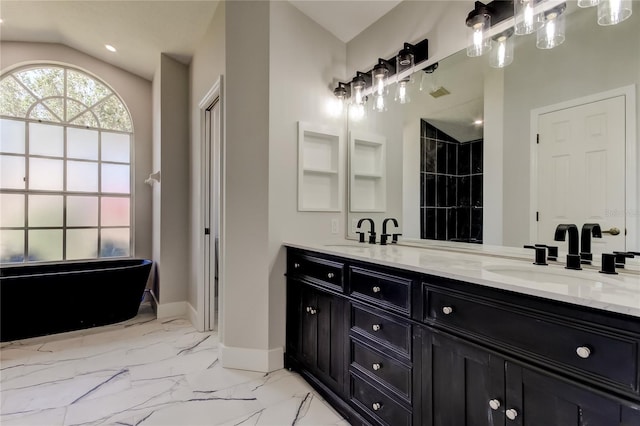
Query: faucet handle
(372, 237)
(608, 265)
(394, 238)
(621, 256)
(541, 253)
(553, 251)
(383, 239)
(361, 236)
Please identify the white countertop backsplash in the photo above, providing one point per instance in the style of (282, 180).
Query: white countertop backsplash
(501, 267)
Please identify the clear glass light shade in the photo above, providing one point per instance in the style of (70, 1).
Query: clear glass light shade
(479, 43)
(502, 52)
(402, 92)
(527, 21)
(587, 3)
(380, 78)
(357, 91)
(611, 12)
(552, 33)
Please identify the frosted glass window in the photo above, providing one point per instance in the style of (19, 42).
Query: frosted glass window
(115, 147)
(114, 242)
(12, 172)
(46, 139)
(82, 244)
(12, 210)
(45, 210)
(114, 211)
(45, 245)
(45, 174)
(115, 178)
(11, 246)
(82, 143)
(82, 176)
(12, 136)
(82, 211)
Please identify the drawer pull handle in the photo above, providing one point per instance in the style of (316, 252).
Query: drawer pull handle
(583, 352)
(376, 289)
(330, 275)
(511, 414)
(376, 327)
(377, 366)
(447, 310)
(376, 406)
(311, 310)
(494, 404)
(296, 265)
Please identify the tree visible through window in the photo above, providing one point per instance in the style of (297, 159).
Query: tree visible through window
(65, 167)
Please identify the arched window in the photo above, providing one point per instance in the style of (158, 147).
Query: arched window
(65, 167)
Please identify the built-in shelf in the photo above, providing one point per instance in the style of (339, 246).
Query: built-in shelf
(320, 160)
(367, 172)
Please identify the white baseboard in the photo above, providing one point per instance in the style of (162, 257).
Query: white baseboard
(172, 310)
(192, 314)
(262, 360)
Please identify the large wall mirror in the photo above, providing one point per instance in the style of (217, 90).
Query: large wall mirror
(462, 162)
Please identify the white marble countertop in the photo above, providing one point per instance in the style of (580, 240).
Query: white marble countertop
(504, 268)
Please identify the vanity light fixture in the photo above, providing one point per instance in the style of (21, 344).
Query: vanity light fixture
(402, 91)
(611, 12)
(479, 22)
(552, 33)
(527, 21)
(380, 82)
(358, 85)
(342, 96)
(501, 53)
(428, 78)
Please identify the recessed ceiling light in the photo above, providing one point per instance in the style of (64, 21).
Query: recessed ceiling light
(110, 48)
(478, 122)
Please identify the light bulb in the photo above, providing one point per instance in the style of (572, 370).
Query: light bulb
(402, 94)
(552, 34)
(502, 51)
(479, 22)
(527, 21)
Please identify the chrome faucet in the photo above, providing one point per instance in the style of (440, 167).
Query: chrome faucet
(372, 230)
(573, 258)
(384, 236)
(588, 230)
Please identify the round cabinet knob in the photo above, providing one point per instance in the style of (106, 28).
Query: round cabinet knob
(296, 265)
(308, 308)
(494, 404)
(583, 352)
(377, 366)
(511, 414)
(330, 275)
(376, 406)
(312, 311)
(376, 289)
(376, 327)
(447, 310)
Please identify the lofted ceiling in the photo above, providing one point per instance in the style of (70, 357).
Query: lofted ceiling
(141, 30)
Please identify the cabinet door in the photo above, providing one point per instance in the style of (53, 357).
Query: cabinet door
(309, 327)
(459, 382)
(330, 332)
(538, 399)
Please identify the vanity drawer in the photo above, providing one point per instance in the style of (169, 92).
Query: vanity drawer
(324, 272)
(389, 291)
(392, 373)
(611, 356)
(376, 404)
(389, 332)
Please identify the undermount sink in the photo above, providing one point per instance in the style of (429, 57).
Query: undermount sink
(545, 275)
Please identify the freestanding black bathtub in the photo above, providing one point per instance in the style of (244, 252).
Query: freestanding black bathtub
(36, 300)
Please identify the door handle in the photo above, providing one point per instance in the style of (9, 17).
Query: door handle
(612, 231)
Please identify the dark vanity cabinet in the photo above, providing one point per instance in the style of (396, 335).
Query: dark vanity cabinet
(391, 347)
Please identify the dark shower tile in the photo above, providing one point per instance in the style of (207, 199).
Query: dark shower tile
(452, 224)
(430, 158)
(441, 184)
(476, 190)
(423, 189)
(423, 223)
(464, 160)
(463, 217)
(430, 224)
(441, 224)
(476, 156)
(430, 194)
(452, 193)
(464, 191)
(429, 131)
(441, 163)
(452, 159)
(476, 224)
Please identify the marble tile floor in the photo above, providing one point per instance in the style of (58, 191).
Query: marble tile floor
(146, 372)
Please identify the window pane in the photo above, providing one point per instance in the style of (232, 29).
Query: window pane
(11, 246)
(56, 105)
(84, 88)
(12, 136)
(40, 113)
(115, 147)
(11, 210)
(45, 174)
(114, 211)
(82, 176)
(44, 82)
(12, 172)
(15, 101)
(46, 139)
(45, 244)
(82, 211)
(45, 210)
(114, 242)
(115, 178)
(82, 144)
(82, 244)
(113, 115)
